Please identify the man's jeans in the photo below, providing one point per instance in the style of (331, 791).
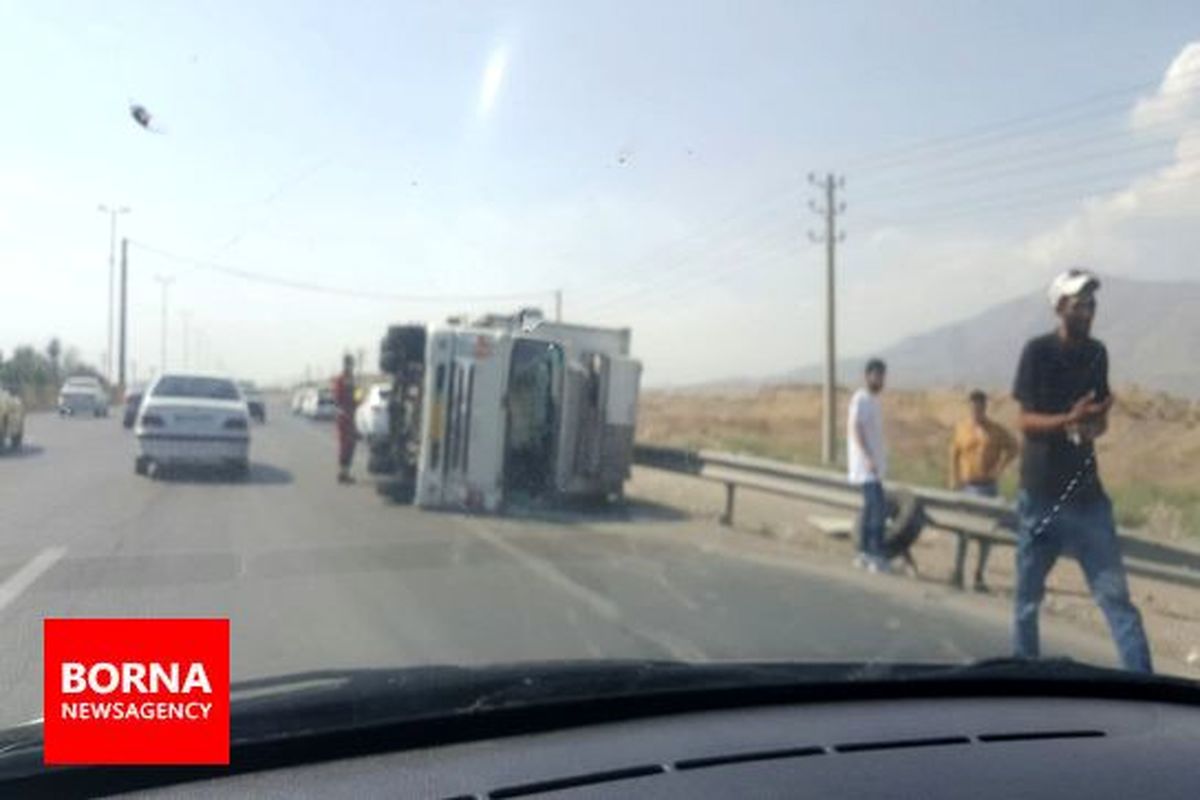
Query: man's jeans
(871, 521)
(986, 489)
(1086, 531)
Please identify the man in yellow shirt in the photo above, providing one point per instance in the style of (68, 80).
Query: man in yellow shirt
(979, 454)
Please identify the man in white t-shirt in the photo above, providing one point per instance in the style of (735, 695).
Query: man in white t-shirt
(867, 460)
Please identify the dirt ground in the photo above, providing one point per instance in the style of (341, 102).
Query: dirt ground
(1149, 460)
(1171, 612)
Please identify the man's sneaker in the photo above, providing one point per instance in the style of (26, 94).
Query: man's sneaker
(878, 566)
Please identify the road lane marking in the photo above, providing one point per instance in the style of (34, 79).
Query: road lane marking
(679, 647)
(598, 603)
(23, 578)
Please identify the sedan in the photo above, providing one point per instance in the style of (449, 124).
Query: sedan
(83, 395)
(371, 422)
(192, 419)
(318, 404)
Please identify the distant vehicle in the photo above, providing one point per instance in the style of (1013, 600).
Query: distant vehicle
(318, 404)
(298, 400)
(133, 401)
(83, 395)
(371, 422)
(254, 401)
(12, 420)
(193, 419)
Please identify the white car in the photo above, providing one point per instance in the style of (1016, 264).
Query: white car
(83, 395)
(371, 416)
(371, 423)
(318, 404)
(298, 401)
(193, 419)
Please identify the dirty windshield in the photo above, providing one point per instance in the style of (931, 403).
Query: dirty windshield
(854, 333)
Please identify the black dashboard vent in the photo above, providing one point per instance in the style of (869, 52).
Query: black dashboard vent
(742, 758)
(1033, 736)
(574, 781)
(900, 744)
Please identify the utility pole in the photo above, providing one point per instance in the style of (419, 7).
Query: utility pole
(165, 282)
(830, 184)
(112, 212)
(124, 313)
(558, 305)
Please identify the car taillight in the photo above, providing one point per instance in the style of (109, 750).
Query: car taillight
(235, 424)
(152, 421)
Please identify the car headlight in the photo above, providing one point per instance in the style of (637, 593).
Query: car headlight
(152, 421)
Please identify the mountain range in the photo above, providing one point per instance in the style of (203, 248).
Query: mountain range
(1151, 329)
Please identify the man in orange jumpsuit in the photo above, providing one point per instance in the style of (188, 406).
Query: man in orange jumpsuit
(344, 400)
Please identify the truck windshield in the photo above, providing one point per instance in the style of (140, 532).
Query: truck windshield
(534, 393)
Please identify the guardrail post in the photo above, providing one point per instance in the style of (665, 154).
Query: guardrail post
(727, 517)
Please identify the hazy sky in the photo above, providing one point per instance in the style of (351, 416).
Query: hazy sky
(649, 159)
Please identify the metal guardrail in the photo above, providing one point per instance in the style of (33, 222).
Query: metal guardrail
(986, 520)
(751, 471)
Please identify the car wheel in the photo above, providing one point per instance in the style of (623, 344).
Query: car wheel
(240, 471)
(141, 465)
(17, 439)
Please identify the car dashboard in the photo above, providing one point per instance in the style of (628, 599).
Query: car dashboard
(911, 748)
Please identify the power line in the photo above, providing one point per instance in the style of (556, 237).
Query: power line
(651, 294)
(971, 137)
(305, 286)
(957, 206)
(666, 274)
(1025, 160)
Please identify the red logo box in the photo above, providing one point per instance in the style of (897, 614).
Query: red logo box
(136, 691)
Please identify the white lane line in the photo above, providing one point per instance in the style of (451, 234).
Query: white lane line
(677, 646)
(600, 604)
(23, 578)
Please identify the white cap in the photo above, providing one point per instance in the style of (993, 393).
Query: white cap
(1071, 283)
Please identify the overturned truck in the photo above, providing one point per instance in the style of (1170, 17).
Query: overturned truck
(507, 409)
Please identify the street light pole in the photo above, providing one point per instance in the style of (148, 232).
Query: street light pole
(112, 212)
(165, 282)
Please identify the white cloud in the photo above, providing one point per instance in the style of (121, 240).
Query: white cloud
(1177, 97)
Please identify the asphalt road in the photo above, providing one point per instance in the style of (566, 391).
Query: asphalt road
(314, 575)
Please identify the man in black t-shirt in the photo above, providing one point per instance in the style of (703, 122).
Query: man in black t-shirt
(1062, 386)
